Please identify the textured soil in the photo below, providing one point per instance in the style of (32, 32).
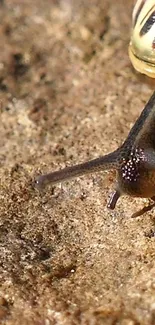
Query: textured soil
(68, 93)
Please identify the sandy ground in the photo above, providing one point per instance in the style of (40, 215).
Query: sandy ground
(68, 93)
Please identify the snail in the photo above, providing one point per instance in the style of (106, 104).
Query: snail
(142, 44)
(134, 160)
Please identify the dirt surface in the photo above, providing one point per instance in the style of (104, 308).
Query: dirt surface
(68, 93)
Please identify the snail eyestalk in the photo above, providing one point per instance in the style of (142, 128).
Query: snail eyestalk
(109, 161)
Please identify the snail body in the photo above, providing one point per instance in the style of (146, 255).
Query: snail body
(134, 161)
(142, 44)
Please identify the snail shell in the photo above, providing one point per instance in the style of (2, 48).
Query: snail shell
(142, 44)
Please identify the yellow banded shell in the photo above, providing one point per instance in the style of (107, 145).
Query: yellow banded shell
(142, 44)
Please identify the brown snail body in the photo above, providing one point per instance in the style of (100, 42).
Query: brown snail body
(142, 186)
(134, 161)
